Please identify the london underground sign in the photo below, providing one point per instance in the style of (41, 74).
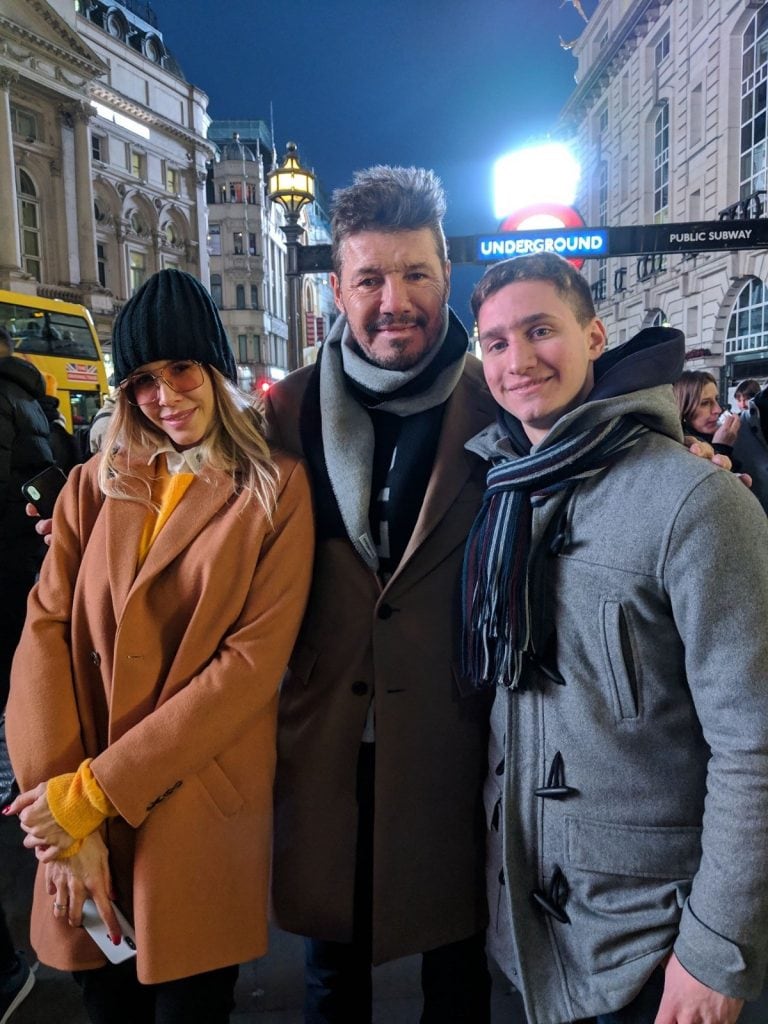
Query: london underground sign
(544, 227)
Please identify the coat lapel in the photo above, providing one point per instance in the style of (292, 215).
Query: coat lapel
(205, 497)
(468, 411)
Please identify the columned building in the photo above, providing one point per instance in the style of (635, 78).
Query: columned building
(668, 119)
(103, 153)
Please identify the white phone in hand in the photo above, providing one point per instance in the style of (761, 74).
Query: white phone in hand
(98, 932)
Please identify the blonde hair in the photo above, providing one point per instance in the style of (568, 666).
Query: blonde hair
(235, 443)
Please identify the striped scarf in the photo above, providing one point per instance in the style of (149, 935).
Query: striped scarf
(496, 614)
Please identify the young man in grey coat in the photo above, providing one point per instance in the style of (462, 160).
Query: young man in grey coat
(627, 801)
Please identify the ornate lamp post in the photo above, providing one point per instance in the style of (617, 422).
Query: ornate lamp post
(292, 187)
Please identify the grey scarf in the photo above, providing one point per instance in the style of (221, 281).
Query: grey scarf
(347, 431)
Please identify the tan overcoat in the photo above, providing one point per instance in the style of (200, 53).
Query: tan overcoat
(168, 678)
(398, 642)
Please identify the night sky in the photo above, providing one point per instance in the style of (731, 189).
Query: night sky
(447, 84)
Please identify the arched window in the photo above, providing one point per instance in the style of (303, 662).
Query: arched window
(216, 289)
(661, 165)
(748, 322)
(754, 72)
(29, 223)
(240, 296)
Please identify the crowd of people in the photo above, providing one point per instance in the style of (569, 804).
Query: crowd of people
(425, 658)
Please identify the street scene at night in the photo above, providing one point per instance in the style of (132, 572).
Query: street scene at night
(383, 512)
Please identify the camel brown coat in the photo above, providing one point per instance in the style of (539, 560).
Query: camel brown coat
(170, 683)
(431, 743)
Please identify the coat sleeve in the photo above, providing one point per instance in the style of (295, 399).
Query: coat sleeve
(184, 734)
(42, 721)
(716, 573)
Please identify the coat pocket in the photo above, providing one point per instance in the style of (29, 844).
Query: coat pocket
(215, 782)
(627, 886)
(621, 663)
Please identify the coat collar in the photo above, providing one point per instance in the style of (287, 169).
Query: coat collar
(207, 495)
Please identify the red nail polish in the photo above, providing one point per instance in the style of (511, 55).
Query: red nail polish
(115, 939)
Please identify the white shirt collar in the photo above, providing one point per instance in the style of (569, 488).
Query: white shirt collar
(188, 461)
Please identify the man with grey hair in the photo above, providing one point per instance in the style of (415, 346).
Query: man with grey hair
(379, 847)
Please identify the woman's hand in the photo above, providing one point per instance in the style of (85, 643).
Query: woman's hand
(44, 834)
(44, 527)
(84, 875)
(728, 430)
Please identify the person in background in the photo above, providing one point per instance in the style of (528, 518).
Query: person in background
(745, 391)
(379, 840)
(700, 411)
(143, 708)
(25, 449)
(751, 445)
(63, 445)
(627, 797)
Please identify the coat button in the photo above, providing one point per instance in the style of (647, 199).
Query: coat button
(559, 542)
(95, 658)
(359, 688)
(555, 788)
(553, 901)
(385, 611)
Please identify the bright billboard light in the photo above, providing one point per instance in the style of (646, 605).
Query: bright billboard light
(548, 173)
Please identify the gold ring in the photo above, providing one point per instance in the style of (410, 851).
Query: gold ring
(60, 906)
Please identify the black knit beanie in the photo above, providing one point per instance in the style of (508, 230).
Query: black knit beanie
(170, 317)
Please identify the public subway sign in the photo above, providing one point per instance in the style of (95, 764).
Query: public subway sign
(585, 243)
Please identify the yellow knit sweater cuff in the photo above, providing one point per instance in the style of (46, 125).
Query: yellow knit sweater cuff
(78, 803)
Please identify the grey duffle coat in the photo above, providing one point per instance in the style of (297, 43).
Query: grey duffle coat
(627, 798)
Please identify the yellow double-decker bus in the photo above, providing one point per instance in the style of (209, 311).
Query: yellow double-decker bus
(60, 340)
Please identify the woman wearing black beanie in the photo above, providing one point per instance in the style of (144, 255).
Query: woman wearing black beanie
(142, 716)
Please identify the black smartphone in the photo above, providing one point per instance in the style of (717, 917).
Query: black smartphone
(43, 490)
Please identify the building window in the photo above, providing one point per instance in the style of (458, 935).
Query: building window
(137, 269)
(172, 181)
(257, 349)
(216, 289)
(251, 243)
(696, 114)
(138, 164)
(252, 195)
(748, 324)
(240, 296)
(237, 243)
(101, 263)
(602, 194)
(625, 90)
(242, 347)
(661, 50)
(602, 120)
(754, 71)
(254, 296)
(171, 235)
(661, 165)
(24, 122)
(29, 224)
(214, 240)
(98, 147)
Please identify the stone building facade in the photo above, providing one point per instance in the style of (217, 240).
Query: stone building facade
(668, 119)
(103, 153)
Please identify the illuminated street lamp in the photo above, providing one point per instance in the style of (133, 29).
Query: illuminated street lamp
(292, 187)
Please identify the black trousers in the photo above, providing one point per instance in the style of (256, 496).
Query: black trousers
(114, 995)
(454, 978)
(642, 1009)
